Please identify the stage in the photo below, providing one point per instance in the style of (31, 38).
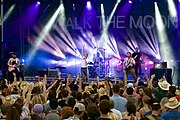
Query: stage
(48, 34)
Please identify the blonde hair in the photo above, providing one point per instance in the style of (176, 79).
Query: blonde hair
(36, 100)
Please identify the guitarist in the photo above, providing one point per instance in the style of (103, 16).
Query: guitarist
(13, 67)
(129, 63)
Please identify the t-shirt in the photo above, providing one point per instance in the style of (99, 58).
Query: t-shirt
(73, 118)
(128, 62)
(119, 103)
(132, 99)
(171, 115)
(84, 62)
(153, 117)
(53, 115)
(159, 93)
(47, 108)
(62, 103)
(103, 119)
(135, 95)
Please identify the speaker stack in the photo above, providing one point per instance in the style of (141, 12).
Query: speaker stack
(160, 69)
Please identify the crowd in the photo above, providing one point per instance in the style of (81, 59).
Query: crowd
(77, 100)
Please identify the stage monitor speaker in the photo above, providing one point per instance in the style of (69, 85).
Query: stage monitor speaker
(161, 72)
(53, 72)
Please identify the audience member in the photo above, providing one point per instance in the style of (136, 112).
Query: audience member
(104, 107)
(53, 115)
(119, 102)
(172, 113)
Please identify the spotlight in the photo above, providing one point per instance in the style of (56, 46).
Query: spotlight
(89, 5)
(38, 2)
(23, 60)
(130, 1)
(74, 7)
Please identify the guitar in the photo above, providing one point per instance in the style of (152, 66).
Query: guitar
(128, 66)
(13, 67)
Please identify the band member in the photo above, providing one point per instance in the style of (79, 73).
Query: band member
(98, 63)
(129, 63)
(84, 66)
(138, 61)
(13, 67)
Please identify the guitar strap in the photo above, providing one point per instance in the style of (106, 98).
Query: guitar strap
(129, 61)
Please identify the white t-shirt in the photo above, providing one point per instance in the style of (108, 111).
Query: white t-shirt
(117, 112)
(129, 61)
(84, 62)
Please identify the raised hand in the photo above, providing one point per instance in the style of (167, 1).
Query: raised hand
(97, 78)
(138, 78)
(59, 73)
(153, 76)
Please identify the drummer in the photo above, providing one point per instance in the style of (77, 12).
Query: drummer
(97, 60)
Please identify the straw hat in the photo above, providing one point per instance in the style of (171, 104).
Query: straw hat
(88, 88)
(164, 85)
(172, 103)
(8, 99)
(102, 91)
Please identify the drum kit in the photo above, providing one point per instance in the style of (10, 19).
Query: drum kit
(95, 67)
(100, 65)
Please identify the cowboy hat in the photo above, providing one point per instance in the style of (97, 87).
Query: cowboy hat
(23, 84)
(172, 103)
(164, 85)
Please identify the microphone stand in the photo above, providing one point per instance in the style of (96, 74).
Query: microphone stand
(75, 60)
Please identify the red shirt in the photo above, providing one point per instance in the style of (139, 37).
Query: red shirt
(135, 95)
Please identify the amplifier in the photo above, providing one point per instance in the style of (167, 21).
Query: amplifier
(162, 72)
(53, 72)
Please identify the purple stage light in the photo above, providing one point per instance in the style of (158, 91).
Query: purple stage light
(130, 1)
(38, 2)
(89, 5)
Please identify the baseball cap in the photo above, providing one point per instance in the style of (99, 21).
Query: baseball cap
(130, 85)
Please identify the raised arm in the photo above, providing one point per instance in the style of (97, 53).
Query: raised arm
(125, 79)
(115, 79)
(98, 80)
(47, 91)
(150, 81)
(83, 50)
(137, 82)
(58, 89)
(44, 87)
(28, 98)
(60, 84)
(80, 86)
